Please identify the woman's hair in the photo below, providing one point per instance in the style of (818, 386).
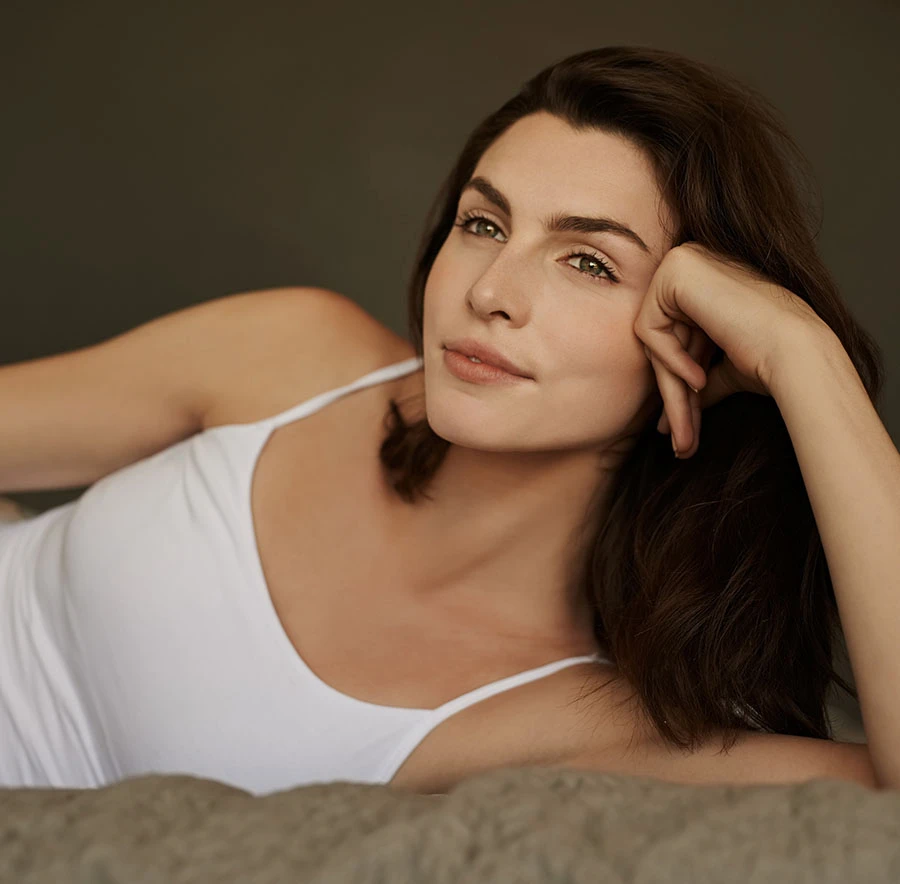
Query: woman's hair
(711, 591)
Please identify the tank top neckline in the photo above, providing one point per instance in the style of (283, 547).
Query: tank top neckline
(296, 661)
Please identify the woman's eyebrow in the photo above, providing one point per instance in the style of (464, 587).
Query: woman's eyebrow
(558, 223)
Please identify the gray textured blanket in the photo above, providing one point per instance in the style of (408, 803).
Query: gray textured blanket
(513, 825)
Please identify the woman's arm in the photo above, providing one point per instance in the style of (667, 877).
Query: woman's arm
(851, 470)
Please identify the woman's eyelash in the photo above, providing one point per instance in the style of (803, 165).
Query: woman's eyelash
(470, 216)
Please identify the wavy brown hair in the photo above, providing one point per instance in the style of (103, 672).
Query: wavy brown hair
(711, 590)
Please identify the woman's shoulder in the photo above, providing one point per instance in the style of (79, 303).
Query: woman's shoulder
(292, 344)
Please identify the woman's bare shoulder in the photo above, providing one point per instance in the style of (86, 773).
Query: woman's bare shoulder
(283, 346)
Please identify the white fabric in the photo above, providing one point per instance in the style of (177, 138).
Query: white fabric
(137, 636)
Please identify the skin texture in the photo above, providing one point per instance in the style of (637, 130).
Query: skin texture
(526, 459)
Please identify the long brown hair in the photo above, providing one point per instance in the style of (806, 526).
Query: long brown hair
(708, 578)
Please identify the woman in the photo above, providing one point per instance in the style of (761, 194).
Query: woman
(254, 597)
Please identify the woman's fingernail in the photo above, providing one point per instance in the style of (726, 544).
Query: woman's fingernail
(673, 446)
(694, 389)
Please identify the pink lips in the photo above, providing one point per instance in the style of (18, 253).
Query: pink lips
(462, 367)
(488, 355)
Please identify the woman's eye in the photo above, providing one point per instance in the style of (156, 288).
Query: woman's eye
(477, 219)
(590, 258)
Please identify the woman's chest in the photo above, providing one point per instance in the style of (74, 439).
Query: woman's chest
(334, 572)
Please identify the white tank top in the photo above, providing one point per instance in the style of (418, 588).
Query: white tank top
(138, 636)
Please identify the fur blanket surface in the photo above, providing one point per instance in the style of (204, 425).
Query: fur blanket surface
(525, 824)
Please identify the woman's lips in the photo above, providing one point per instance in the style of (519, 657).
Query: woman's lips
(487, 354)
(463, 368)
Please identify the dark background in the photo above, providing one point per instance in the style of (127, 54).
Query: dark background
(158, 155)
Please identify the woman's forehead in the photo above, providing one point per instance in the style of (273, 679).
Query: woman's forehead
(543, 167)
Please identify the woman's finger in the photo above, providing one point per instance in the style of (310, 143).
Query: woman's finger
(669, 340)
(674, 393)
(700, 348)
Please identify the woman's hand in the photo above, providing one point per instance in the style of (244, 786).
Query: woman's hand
(696, 302)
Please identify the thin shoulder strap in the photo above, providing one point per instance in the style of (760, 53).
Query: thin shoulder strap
(378, 376)
(431, 718)
(511, 681)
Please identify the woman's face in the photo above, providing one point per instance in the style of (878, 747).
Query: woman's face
(505, 280)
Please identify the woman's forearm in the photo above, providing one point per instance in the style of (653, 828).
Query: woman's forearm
(851, 470)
